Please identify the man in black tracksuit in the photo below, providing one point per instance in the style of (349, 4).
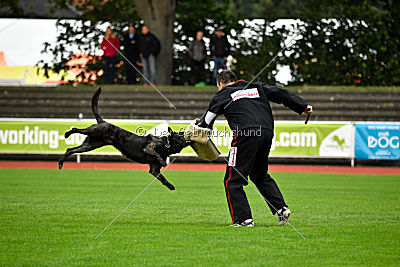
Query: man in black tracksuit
(220, 50)
(131, 48)
(249, 115)
(149, 48)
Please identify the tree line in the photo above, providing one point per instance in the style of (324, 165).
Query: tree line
(337, 42)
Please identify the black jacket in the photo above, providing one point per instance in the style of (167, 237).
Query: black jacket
(149, 45)
(249, 108)
(220, 47)
(197, 50)
(131, 49)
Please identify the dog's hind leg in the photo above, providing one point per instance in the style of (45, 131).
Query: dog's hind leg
(149, 150)
(88, 144)
(73, 131)
(155, 171)
(94, 130)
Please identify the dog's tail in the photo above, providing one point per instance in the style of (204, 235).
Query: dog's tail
(95, 109)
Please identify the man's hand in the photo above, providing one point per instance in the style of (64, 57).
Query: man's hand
(201, 123)
(308, 110)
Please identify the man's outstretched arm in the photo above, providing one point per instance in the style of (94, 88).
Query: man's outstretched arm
(215, 108)
(287, 98)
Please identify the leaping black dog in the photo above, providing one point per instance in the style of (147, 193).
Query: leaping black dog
(148, 149)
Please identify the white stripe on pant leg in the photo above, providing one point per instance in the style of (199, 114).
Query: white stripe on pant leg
(232, 157)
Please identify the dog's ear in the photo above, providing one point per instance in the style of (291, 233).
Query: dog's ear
(170, 131)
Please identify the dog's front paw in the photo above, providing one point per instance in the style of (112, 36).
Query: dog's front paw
(60, 165)
(170, 186)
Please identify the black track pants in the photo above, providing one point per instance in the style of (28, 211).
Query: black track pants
(249, 157)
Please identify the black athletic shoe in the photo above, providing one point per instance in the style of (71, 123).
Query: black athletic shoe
(246, 223)
(283, 215)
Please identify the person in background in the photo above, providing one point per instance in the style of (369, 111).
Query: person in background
(197, 56)
(149, 49)
(220, 50)
(130, 43)
(110, 46)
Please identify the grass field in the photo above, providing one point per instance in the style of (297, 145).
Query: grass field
(50, 217)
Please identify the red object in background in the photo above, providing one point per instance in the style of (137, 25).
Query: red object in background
(78, 64)
(110, 46)
(3, 61)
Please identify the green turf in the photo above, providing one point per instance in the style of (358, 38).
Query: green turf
(50, 217)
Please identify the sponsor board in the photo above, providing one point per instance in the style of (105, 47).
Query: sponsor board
(298, 139)
(377, 141)
(47, 136)
(290, 139)
(247, 93)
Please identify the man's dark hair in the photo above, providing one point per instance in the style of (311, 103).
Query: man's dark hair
(226, 76)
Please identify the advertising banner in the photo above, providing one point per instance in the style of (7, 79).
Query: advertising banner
(47, 136)
(292, 139)
(298, 139)
(377, 141)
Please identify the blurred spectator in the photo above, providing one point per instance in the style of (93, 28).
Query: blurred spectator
(220, 50)
(149, 48)
(197, 56)
(130, 43)
(110, 46)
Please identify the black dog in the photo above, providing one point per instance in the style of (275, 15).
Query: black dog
(149, 149)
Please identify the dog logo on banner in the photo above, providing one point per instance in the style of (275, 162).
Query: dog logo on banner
(232, 157)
